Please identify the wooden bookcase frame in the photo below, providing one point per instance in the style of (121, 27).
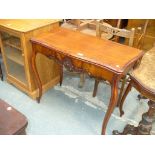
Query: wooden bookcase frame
(49, 76)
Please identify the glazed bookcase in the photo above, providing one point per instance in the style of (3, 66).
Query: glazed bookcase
(17, 52)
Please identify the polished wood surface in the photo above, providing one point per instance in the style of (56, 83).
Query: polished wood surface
(12, 122)
(24, 30)
(103, 53)
(101, 59)
(87, 27)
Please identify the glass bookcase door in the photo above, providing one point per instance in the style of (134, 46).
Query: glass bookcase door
(14, 58)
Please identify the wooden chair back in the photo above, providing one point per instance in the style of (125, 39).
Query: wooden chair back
(102, 27)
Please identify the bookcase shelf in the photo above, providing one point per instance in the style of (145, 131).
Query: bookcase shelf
(14, 55)
(17, 71)
(13, 42)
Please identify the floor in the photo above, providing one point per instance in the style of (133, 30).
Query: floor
(68, 109)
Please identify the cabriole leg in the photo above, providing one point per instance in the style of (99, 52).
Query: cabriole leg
(38, 81)
(124, 97)
(112, 104)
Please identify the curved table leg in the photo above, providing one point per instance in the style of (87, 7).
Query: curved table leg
(123, 98)
(37, 78)
(112, 104)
